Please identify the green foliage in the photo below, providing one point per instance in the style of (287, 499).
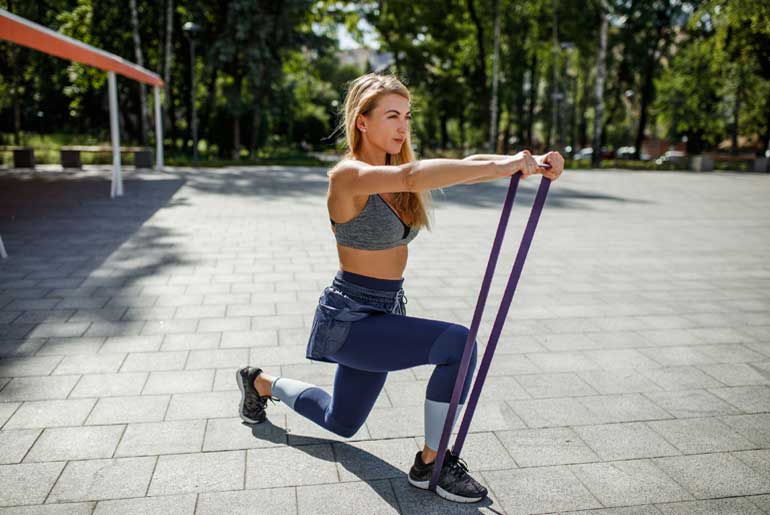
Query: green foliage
(268, 73)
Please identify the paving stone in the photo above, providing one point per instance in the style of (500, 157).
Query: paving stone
(27, 483)
(109, 385)
(19, 348)
(749, 399)
(552, 385)
(734, 506)
(310, 464)
(375, 459)
(182, 381)
(123, 344)
(669, 337)
(90, 364)
(675, 356)
(6, 410)
(155, 438)
(220, 358)
(623, 408)
(75, 443)
(762, 501)
(147, 361)
(55, 413)
(617, 381)
(121, 410)
(371, 497)
(114, 328)
(625, 441)
(170, 326)
(71, 346)
(162, 505)
(34, 366)
(700, 435)
(646, 509)
(755, 428)
(562, 361)
(759, 460)
(691, 403)
(103, 479)
(201, 472)
(37, 388)
(565, 342)
(59, 330)
(730, 353)
(258, 502)
(621, 483)
(186, 406)
(620, 358)
(188, 341)
(283, 355)
(553, 412)
(548, 446)
(14, 444)
(264, 338)
(225, 434)
(508, 364)
(80, 508)
(539, 490)
(714, 475)
(736, 374)
(680, 378)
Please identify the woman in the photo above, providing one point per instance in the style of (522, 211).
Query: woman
(377, 199)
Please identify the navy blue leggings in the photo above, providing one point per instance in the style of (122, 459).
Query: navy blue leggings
(375, 346)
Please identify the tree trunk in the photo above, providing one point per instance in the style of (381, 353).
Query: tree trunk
(495, 73)
(601, 71)
(480, 72)
(736, 119)
(169, 62)
(256, 122)
(534, 86)
(443, 119)
(140, 61)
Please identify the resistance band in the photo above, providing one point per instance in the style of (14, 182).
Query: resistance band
(510, 288)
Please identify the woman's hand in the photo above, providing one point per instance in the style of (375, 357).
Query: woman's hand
(522, 162)
(557, 165)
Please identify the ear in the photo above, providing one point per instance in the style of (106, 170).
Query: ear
(361, 123)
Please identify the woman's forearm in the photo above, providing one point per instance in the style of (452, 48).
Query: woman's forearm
(430, 174)
(490, 157)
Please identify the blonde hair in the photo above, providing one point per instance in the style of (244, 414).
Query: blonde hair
(361, 98)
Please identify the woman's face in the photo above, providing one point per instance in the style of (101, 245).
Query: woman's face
(387, 125)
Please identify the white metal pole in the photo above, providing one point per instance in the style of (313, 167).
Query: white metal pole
(117, 180)
(158, 132)
(2, 249)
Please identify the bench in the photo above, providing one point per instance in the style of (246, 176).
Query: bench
(23, 157)
(70, 155)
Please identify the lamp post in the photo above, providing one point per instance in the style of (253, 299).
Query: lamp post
(190, 29)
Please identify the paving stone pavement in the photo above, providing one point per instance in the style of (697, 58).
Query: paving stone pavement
(632, 376)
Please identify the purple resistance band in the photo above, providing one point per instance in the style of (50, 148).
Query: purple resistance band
(510, 288)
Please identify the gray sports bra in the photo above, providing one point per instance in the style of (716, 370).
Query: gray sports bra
(376, 227)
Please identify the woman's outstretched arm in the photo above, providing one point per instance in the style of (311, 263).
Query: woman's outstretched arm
(492, 157)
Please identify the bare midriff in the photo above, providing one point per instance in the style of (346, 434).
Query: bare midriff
(382, 264)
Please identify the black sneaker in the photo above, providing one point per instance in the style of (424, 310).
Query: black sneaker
(454, 482)
(252, 409)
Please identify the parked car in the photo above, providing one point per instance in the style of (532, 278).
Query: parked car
(584, 154)
(625, 153)
(676, 157)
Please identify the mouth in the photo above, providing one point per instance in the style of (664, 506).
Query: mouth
(399, 140)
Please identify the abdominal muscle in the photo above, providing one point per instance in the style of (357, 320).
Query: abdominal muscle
(382, 264)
